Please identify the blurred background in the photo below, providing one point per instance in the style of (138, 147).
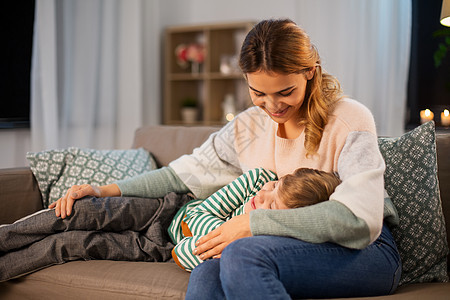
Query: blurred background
(88, 73)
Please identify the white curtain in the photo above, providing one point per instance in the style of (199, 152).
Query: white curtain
(95, 60)
(366, 44)
(87, 76)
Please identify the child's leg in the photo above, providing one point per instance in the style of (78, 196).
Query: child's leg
(107, 228)
(107, 214)
(182, 253)
(74, 245)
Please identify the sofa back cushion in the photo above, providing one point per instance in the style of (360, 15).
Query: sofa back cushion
(411, 181)
(57, 170)
(167, 143)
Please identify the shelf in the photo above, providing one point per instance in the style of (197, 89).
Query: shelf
(203, 76)
(218, 77)
(186, 76)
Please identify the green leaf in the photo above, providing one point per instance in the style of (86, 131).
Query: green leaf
(441, 32)
(439, 54)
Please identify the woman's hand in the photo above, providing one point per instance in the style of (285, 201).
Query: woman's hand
(63, 207)
(212, 244)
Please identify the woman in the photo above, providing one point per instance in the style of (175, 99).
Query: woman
(337, 248)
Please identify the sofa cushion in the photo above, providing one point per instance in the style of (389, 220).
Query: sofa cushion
(411, 180)
(180, 139)
(57, 170)
(101, 279)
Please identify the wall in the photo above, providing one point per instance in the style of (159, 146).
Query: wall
(157, 15)
(204, 11)
(14, 144)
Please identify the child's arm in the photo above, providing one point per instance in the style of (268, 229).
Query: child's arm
(211, 213)
(220, 206)
(177, 226)
(182, 253)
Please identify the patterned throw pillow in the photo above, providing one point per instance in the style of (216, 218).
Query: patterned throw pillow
(411, 180)
(57, 170)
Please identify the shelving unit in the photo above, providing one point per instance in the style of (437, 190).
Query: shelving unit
(215, 78)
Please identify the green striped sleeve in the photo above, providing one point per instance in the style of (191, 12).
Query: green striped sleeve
(182, 253)
(226, 202)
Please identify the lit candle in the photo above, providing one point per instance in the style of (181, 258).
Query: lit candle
(445, 118)
(426, 115)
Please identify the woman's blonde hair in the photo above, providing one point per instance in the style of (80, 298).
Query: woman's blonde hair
(280, 46)
(306, 187)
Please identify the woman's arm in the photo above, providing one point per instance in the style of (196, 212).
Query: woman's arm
(152, 184)
(214, 242)
(353, 218)
(212, 165)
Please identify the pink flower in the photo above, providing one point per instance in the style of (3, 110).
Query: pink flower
(193, 52)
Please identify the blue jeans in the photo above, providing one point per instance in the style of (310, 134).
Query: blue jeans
(273, 267)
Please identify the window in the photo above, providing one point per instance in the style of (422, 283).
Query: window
(16, 27)
(428, 86)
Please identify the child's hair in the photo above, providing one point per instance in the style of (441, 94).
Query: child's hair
(307, 187)
(280, 46)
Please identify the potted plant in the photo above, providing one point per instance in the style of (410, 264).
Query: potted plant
(189, 110)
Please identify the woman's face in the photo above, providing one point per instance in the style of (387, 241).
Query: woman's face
(280, 96)
(267, 198)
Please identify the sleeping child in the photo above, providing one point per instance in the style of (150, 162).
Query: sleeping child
(255, 189)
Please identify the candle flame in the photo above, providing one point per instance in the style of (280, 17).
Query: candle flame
(427, 112)
(446, 112)
(229, 117)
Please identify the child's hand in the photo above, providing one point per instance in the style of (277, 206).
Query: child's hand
(63, 207)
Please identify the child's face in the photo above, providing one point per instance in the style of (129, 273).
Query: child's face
(267, 198)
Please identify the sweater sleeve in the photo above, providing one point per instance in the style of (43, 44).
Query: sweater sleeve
(353, 217)
(152, 184)
(212, 165)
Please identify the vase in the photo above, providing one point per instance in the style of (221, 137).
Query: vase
(189, 115)
(195, 67)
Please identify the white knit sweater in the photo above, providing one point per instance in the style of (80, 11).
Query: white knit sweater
(352, 218)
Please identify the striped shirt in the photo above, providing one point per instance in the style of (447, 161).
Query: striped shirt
(200, 217)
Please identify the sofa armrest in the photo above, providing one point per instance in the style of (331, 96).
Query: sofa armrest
(443, 159)
(19, 194)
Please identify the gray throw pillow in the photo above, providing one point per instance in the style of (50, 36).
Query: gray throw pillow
(411, 181)
(57, 170)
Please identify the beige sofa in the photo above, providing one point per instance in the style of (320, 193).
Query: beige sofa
(20, 196)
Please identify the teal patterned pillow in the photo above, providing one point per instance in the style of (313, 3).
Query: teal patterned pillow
(57, 170)
(411, 181)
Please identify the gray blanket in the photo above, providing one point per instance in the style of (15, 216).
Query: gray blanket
(116, 228)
